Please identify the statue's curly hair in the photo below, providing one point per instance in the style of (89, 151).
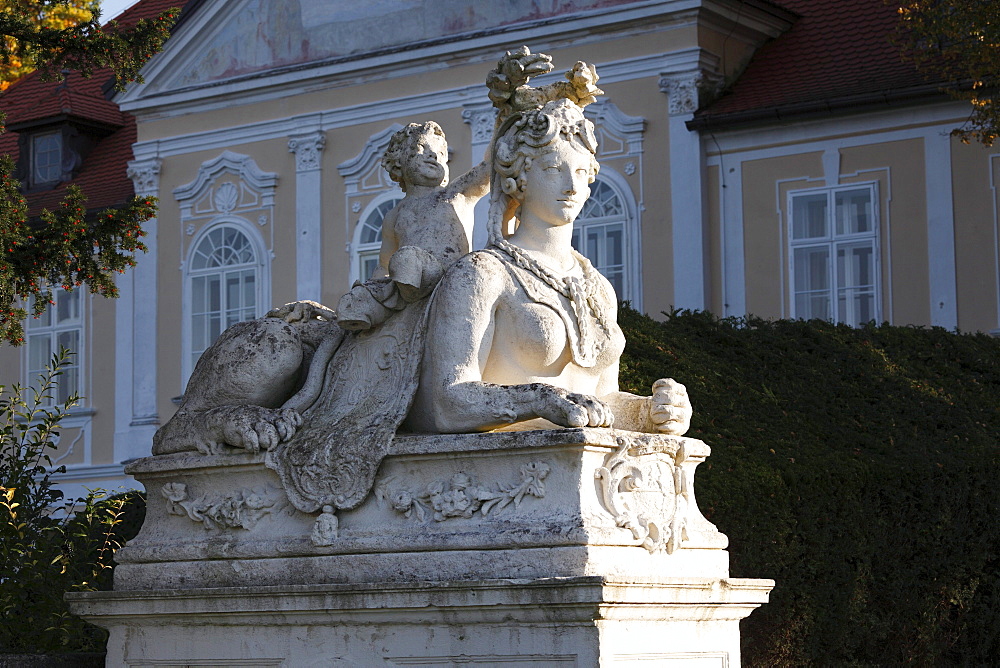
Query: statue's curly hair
(401, 147)
(526, 136)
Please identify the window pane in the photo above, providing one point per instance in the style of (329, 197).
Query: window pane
(613, 246)
(249, 300)
(233, 290)
(855, 265)
(854, 211)
(67, 306)
(46, 157)
(67, 384)
(809, 216)
(855, 307)
(812, 283)
(198, 294)
(812, 269)
(39, 352)
(369, 263)
(213, 286)
(69, 339)
(199, 333)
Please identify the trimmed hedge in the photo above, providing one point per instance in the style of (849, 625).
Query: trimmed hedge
(856, 467)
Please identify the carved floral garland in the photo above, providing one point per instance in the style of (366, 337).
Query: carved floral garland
(462, 495)
(241, 509)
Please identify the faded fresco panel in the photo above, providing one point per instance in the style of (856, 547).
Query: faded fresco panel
(269, 33)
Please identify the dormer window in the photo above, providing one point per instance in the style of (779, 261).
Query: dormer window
(46, 158)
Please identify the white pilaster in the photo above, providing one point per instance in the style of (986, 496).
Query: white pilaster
(940, 230)
(687, 166)
(136, 414)
(734, 297)
(308, 207)
(481, 118)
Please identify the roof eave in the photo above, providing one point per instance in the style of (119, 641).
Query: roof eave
(811, 108)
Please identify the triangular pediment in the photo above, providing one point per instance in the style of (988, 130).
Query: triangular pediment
(235, 45)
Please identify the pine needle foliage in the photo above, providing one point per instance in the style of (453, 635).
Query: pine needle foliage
(48, 36)
(64, 248)
(857, 468)
(959, 43)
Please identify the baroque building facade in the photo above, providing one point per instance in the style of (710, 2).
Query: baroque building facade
(261, 125)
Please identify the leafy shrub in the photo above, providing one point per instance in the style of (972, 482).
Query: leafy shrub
(47, 546)
(857, 468)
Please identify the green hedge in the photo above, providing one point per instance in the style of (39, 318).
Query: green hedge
(859, 468)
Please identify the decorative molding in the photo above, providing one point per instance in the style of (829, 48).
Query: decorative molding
(462, 495)
(242, 509)
(145, 175)
(307, 149)
(242, 166)
(356, 168)
(688, 86)
(646, 490)
(482, 119)
(588, 26)
(644, 67)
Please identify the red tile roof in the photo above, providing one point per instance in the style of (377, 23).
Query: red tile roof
(838, 55)
(103, 174)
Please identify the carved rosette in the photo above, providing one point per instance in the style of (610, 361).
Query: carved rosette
(646, 491)
(307, 149)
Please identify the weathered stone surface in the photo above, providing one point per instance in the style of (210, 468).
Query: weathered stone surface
(555, 503)
(581, 621)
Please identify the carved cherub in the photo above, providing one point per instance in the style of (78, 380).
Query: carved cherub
(424, 234)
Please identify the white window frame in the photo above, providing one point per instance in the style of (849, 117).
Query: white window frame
(78, 359)
(262, 282)
(631, 282)
(831, 241)
(358, 249)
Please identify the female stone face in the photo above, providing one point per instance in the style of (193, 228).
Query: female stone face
(557, 184)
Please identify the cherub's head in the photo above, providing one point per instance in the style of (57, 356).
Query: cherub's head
(527, 145)
(418, 155)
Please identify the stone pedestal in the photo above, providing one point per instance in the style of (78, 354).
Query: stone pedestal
(583, 546)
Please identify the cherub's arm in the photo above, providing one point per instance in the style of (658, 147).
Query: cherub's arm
(474, 184)
(390, 243)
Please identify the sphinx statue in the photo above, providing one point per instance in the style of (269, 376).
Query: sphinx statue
(519, 335)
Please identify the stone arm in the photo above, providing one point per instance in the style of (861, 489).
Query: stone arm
(390, 244)
(474, 184)
(453, 397)
(667, 411)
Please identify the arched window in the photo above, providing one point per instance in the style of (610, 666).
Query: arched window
(601, 233)
(368, 237)
(223, 282)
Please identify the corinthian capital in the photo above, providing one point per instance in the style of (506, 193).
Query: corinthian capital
(145, 175)
(307, 149)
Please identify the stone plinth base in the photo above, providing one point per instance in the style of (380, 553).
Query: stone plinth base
(583, 546)
(582, 621)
